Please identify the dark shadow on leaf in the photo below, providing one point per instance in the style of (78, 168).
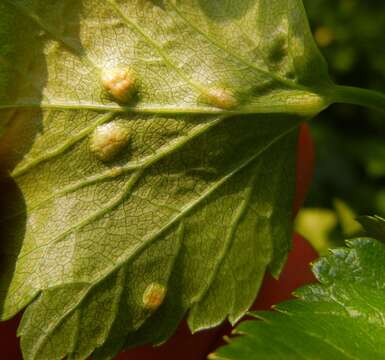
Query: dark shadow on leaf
(24, 73)
(222, 10)
(12, 229)
(17, 60)
(159, 3)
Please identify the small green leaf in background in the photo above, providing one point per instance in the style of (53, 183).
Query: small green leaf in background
(341, 317)
(350, 227)
(317, 226)
(327, 228)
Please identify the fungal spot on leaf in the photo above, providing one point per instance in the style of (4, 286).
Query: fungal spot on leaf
(154, 296)
(120, 83)
(108, 140)
(221, 98)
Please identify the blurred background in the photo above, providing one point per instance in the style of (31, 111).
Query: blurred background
(350, 141)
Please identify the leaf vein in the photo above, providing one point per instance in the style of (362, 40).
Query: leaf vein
(229, 240)
(48, 155)
(249, 64)
(131, 24)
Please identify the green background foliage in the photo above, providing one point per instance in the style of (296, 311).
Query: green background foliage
(350, 140)
(340, 317)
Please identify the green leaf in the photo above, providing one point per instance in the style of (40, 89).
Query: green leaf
(342, 317)
(186, 203)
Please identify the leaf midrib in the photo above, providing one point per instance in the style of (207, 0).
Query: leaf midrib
(305, 104)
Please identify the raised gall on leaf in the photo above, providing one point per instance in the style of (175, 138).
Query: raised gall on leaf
(108, 140)
(120, 83)
(153, 296)
(221, 98)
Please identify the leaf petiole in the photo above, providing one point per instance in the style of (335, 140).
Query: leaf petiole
(357, 96)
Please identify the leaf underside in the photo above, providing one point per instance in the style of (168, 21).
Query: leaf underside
(342, 317)
(198, 201)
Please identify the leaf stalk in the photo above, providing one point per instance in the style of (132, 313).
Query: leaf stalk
(358, 96)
